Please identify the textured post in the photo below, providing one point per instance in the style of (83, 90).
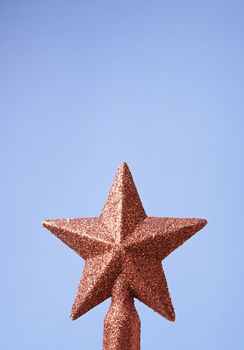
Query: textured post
(122, 323)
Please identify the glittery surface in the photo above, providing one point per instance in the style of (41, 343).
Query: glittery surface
(123, 249)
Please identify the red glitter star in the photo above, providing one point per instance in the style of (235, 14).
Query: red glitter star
(123, 249)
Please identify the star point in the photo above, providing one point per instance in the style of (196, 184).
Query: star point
(123, 209)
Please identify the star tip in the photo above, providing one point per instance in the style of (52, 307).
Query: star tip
(168, 313)
(74, 313)
(123, 164)
(122, 168)
(45, 223)
(73, 317)
(171, 316)
(204, 222)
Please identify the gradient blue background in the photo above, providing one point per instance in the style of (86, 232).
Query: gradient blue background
(85, 85)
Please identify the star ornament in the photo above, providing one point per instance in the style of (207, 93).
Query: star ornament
(124, 244)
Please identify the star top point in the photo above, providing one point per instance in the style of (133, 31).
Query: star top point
(123, 210)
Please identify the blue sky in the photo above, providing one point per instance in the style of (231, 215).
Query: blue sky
(85, 85)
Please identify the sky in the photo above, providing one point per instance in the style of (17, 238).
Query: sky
(85, 85)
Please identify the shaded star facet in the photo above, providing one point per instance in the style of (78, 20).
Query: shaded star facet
(123, 242)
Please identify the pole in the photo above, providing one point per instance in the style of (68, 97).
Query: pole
(122, 323)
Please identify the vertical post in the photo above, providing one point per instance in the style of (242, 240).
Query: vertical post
(122, 323)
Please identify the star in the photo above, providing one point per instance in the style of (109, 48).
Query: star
(124, 243)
